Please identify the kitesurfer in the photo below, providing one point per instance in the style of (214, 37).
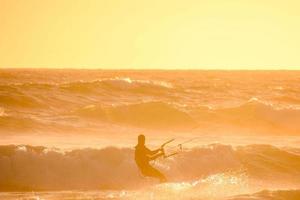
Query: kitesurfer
(143, 156)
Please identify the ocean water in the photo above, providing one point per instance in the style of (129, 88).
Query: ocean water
(69, 134)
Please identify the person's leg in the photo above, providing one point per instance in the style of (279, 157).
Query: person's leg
(152, 172)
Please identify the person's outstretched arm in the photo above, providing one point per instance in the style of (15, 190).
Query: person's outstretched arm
(156, 151)
(153, 152)
(156, 156)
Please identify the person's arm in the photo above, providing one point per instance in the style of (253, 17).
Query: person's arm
(152, 152)
(156, 156)
(155, 151)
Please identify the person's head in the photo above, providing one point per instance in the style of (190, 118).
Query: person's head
(141, 139)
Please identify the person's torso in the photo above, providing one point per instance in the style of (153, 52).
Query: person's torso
(141, 157)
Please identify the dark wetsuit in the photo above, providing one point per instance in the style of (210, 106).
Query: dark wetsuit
(143, 156)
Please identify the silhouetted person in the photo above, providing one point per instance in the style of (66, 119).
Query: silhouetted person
(143, 156)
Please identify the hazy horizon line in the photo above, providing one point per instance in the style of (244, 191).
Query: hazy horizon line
(135, 69)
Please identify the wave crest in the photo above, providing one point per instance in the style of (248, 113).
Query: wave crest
(254, 115)
(38, 168)
(147, 114)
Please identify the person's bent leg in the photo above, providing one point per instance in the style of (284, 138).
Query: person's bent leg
(152, 172)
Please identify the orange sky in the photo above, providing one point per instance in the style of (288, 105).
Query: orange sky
(139, 34)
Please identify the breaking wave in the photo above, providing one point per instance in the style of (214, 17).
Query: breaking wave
(110, 84)
(179, 191)
(270, 195)
(11, 123)
(22, 101)
(2, 112)
(147, 114)
(198, 101)
(38, 168)
(254, 114)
